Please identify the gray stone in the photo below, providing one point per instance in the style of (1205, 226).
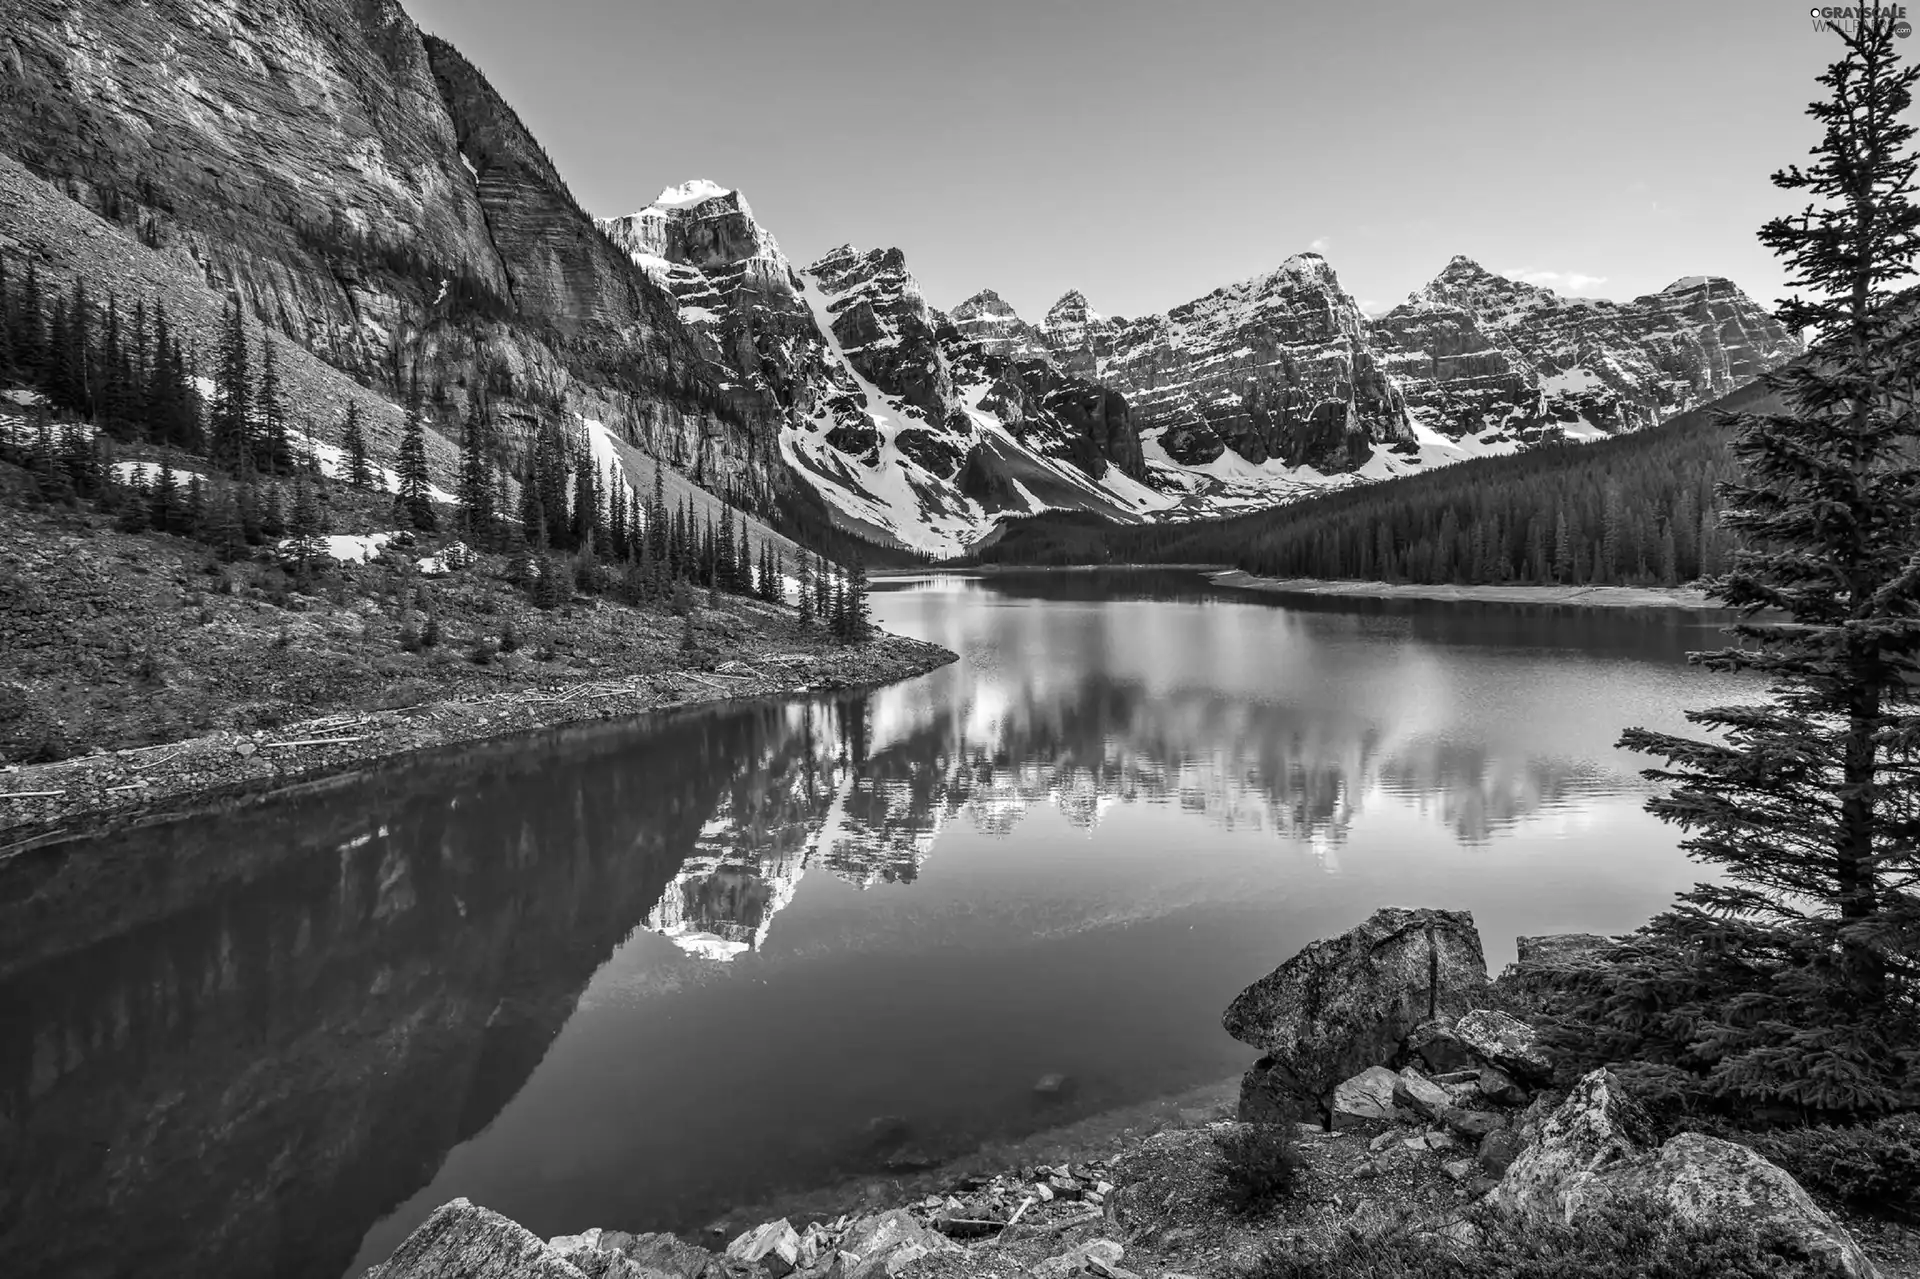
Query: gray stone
(884, 1232)
(1434, 1045)
(1597, 1146)
(1104, 1252)
(1419, 1094)
(1347, 1003)
(1497, 1039)
(1458, 1169)
(461, 1241)
(1474, 1125)
(1366, 1097)
(1597, 1127)
(773, 1247)
(1499, 1149)
(1500, 1088)
(1706, 1179)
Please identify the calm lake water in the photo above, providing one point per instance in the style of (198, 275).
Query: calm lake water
(627, 975)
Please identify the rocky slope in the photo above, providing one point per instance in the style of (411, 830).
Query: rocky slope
(1277, 367)
(1476, 351)
(369, 195)
(912, 433)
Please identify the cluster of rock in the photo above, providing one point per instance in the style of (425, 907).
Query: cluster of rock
(463, 1241)
(1472, 1085)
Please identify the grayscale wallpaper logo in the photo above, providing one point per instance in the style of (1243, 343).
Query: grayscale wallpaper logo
(1826, 17)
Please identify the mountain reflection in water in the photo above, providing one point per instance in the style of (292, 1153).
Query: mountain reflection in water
(627, 974)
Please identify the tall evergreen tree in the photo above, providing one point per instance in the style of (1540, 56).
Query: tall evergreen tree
(273, 448)
(859, 607)
(354, 437)
(804, 573)
(413, 501)
(229, 442)
(476, 475)
(1794, 978)
(305, 527)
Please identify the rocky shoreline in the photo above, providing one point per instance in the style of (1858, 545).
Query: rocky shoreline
(1681, 597)
(40, 803)
(1438, 1115)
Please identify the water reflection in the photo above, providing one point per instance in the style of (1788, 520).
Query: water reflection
(245, 1040)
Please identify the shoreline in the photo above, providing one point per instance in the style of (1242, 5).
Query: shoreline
(998, 570)
(1677, 597)
(47, 803)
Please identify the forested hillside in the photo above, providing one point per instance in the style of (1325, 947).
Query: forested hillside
(1636, 510)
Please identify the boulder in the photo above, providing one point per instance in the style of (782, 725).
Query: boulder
(667, 1254)
(1052, 1086)
(1347, 1003)
(1420, 1095)
(603, 1254)
(461, 1241)
(1474, 1125)
(773, 1247)
(1365, 1097)
(1500, 1149)
(1706, 1179)
(1497, 1039)
(886, 1232)
(1596, 1128)
(1434, 1045)
(1597, 1145)
(1095, 1253)
(1500, 1088)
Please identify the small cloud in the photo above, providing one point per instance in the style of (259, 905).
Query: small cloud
(1321, 244)
(1369, 306)
(1571, 281)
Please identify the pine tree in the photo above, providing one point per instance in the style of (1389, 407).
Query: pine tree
(273, 516)
(476, 475)
(413, 502)
(859, 607)
(167, 516)
(273, 449)
(230, 444)
(804, 572)
(1794, 978)
(354, 436)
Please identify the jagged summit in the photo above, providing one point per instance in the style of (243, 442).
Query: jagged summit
(988, 321)
(691, 192)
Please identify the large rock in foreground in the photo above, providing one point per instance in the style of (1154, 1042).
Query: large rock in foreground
(1598, 1146)
(461, 1241)
(1346, 1003)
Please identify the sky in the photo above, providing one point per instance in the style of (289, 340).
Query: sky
(1148, 153)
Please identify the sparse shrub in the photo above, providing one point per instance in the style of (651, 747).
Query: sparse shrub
(206, 617)
(284, 639)
(1628, 1239)
(1870, 1166)
(430, 637)
(1257, 1164)
(509, 639)
(546, 652)
(409, 638)
(483, 653)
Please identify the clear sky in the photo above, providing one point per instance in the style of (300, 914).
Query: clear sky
(1146, 153)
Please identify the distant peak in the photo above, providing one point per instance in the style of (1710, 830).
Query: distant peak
(1461, 264)
(690, 193)
(1071, 300)
(1701, 282)
(985, 302)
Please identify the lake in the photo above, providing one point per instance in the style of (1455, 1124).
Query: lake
(629, 974)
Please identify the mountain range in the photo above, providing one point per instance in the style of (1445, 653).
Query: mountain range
(369, 196)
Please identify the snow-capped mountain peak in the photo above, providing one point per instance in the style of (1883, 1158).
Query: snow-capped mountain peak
(691, 192)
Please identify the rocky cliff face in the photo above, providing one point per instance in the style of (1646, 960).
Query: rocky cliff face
(1477, 351)
(910, 431)
(1278, 367)
(367, 193)
(986, 321)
